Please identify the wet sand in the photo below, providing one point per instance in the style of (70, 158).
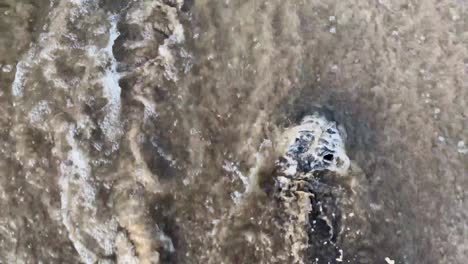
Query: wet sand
(148, 131)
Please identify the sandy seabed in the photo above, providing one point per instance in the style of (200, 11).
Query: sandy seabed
(151, 131)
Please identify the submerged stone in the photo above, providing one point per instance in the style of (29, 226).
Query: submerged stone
(315, 145)
(312, 204)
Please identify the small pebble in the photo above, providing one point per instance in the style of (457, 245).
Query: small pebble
(7, 68)
(186, 182)
(461, 147)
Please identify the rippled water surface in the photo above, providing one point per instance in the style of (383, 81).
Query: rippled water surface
(154, 131)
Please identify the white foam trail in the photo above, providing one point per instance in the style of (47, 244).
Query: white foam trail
(111, 123)
(165, 51)
(38, 52)
(22, 68)
(78, 203)
(233, 168)
(75, 189)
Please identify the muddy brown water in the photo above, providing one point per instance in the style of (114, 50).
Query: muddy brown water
(147, 131)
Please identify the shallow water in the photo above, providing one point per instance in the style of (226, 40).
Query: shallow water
(147, 131)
